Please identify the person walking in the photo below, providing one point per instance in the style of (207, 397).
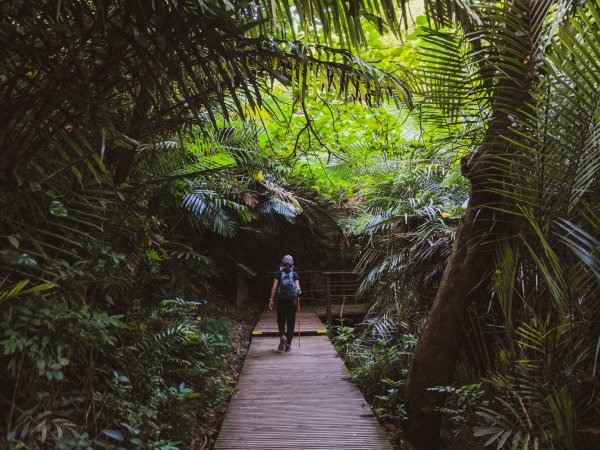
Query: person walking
(285, 290)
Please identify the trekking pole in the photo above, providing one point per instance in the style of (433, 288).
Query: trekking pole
(298, 320)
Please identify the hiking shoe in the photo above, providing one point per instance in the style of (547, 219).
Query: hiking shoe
(282, 342)
(288, 348)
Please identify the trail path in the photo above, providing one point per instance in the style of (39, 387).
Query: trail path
(299, 399)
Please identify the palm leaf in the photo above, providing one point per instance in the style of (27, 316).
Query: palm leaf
(210, 210)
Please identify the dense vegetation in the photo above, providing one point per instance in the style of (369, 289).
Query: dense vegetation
(150, 147)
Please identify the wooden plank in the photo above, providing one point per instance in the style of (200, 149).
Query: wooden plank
(297, 400)
(268, 321)
(309, 323)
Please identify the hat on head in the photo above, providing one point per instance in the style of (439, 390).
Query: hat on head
(287, 259)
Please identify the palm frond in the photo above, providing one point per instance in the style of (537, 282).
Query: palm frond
(210, 210)
(134, 100)
(583, 244)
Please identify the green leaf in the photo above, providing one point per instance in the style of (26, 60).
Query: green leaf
(13, 240)
(19, 289)
(452, 178)
(114, 434)
(57, 209)
(40, 288)
(13, 258)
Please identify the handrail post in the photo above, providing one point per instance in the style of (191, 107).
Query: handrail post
(328, 297)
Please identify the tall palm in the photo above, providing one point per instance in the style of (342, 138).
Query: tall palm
(557, 243)
(504, 75)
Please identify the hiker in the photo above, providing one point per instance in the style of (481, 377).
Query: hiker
(286, 288)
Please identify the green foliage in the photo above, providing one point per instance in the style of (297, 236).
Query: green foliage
(406, 225)
(378, 364)
(112, 204)
(142, 156)
(166, 391)
(46, 344)
(461, 402)
(74, 324)
(535, 393)
(542, 299)
(342, 337)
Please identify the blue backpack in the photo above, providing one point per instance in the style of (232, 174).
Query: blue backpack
(287, 292)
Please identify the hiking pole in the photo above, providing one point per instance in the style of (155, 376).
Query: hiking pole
(298, 320)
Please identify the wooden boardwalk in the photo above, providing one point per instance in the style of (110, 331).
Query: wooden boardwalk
(299, 399)
(309, 323)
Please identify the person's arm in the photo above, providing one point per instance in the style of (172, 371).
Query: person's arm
(272, 297)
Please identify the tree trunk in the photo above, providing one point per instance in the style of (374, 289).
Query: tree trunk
(465, 279)
(139, 117)
(141, 14)
(467, 276)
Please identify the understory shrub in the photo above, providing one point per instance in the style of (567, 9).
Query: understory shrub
(84, 379)
(379, 365)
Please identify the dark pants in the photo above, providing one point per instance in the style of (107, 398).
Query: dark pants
(286, 314)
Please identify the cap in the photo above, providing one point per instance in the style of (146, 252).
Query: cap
(287, 259)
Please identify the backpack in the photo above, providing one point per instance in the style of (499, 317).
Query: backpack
(287, 292)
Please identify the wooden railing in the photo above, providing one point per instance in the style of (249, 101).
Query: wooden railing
(328, 288)
(341, 285)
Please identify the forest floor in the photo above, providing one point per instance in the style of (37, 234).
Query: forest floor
(243, 320)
